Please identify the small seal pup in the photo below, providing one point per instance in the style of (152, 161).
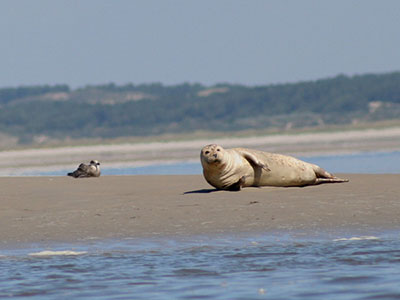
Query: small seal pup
(90, 170)
(232, 169)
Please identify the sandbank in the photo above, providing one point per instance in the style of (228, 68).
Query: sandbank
(63, 209)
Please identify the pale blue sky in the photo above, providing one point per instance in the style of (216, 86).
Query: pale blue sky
(206, 41)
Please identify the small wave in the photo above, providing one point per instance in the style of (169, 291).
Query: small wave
(195, 272)
(53, 253)
(357, 238)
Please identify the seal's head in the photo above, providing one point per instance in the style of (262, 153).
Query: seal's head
(211, 155)
(94, 168)
(95, 162)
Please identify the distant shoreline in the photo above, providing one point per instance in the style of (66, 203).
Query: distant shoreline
(17, 162)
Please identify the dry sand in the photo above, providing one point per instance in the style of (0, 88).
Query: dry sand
(52, 209)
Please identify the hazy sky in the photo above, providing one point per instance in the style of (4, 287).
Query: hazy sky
(206, 41)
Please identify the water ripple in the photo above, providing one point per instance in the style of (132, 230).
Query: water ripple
(206, 268)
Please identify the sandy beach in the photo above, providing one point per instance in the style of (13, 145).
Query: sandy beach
(63, 209)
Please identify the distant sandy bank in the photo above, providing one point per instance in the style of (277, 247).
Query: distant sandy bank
(141, 154)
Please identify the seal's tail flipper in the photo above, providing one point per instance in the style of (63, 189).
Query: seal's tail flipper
(75, 174)
(326, 177)
(321, 173)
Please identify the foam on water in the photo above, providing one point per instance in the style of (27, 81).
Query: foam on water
(356, 238)
(60, 252)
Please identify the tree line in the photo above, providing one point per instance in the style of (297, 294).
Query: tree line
(148, 109)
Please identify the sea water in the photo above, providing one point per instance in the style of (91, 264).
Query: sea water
(263, 266)
(341, 265)
(364, 162)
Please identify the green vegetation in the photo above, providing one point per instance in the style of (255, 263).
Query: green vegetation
(107, 111)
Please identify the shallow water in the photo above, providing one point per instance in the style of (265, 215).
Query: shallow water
(276, 266)
(365, 162)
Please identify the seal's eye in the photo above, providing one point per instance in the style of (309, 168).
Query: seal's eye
(207, 152)
(218, 149)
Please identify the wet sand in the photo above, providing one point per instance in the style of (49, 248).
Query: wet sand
(63, 209)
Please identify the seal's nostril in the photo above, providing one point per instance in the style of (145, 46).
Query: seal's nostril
(215, 155)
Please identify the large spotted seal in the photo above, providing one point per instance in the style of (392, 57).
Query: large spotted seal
(232, 169)
(90, 170)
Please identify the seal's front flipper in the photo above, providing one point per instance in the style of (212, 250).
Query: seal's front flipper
(253, 160)
(237, 186)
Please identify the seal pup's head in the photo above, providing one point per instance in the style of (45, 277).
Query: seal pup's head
(211, 155)
(95, 162)
(94, 167)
